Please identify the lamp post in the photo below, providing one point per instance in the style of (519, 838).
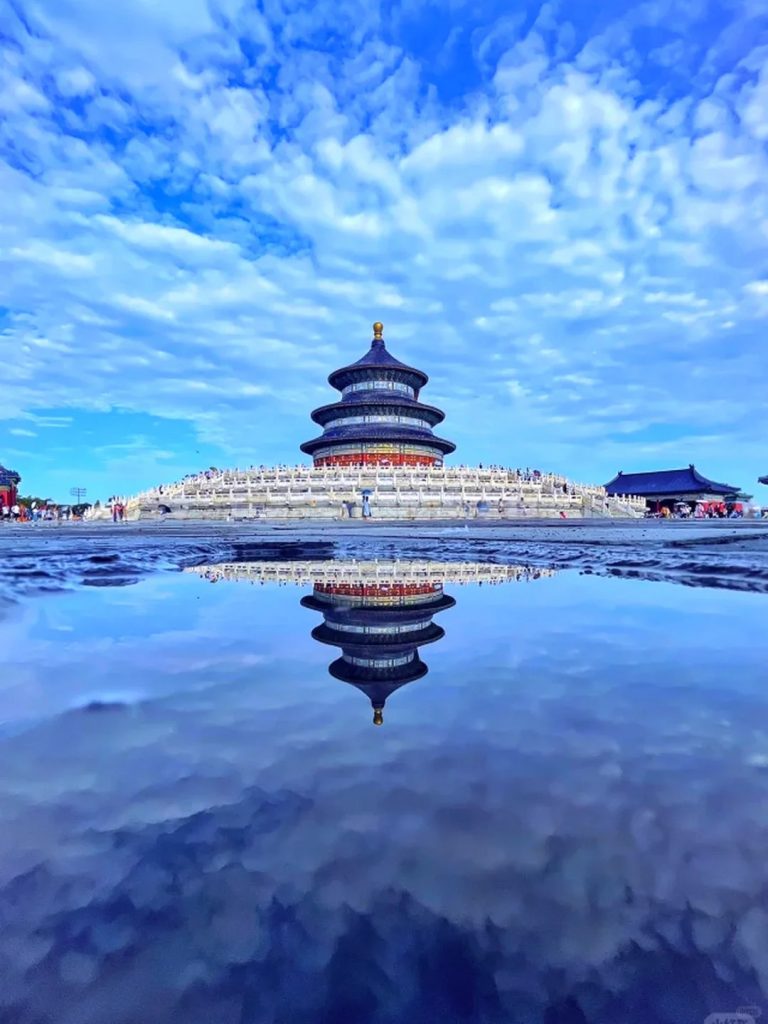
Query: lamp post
(78, 493)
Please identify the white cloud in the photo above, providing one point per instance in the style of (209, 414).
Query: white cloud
(77, 81)
(67, 263)
(164, 238)
(215, 191)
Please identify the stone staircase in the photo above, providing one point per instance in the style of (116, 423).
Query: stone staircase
(403, 493)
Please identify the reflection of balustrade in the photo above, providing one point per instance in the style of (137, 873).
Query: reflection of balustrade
(396, 572)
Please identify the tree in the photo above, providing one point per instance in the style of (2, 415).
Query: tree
(30, 499)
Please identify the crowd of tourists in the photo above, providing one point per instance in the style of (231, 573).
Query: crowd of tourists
(35, 513)
(701, 510)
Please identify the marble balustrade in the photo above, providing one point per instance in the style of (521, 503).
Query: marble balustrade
(454, 492)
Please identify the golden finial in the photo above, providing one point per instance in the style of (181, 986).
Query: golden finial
(378, 330)
(378, 716)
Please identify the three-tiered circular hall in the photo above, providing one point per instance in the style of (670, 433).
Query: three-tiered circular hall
(379, 420)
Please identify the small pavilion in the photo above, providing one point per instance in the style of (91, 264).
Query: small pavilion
(670, 485)
(9, 483)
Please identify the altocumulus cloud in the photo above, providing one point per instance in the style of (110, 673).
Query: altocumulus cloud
(562, 217)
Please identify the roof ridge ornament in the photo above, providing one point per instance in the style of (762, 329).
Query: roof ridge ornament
(378, 331)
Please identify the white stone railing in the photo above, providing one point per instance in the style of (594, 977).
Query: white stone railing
(306, 491)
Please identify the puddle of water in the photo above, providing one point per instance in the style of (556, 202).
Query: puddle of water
(561, 819)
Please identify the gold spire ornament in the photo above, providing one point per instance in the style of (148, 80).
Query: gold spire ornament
(378, 331)
(378, 716)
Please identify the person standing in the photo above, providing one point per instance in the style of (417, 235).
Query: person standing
(366, 507)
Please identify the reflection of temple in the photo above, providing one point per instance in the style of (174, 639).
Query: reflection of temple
(378, 613)
(379, 628)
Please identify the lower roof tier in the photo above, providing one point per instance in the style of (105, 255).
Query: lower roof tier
(367, 435)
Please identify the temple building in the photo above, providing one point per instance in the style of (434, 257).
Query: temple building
(379, 419)
(9, 482)
(669, 485)
(379, 627)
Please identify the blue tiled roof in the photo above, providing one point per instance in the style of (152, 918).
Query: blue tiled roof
(378, 432)
(387, 401)
(667, 483)
(8, 477)
(377, 356)
(762, 480)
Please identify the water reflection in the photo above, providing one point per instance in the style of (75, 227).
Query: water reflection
(564, 822)
(378, 613)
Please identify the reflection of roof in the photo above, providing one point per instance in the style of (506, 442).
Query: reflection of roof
(8, 477)
(378, 686)
(369, 643)
(398, 607)
(667, 482)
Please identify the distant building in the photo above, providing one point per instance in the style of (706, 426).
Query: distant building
(379, 420)
(9, 482)
(670, 485)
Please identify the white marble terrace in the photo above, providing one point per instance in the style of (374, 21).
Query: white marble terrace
(304, 492)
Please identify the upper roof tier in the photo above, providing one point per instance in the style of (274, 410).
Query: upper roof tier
(377, 358)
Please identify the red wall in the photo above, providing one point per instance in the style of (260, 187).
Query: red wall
(372, 459)
(8, 496)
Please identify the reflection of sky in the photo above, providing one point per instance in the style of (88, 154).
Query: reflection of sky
(572, 801)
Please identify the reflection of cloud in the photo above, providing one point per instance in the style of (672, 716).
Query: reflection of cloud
(569, 839)
(574, 860)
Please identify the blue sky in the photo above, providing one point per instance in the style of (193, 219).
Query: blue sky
(560, 212)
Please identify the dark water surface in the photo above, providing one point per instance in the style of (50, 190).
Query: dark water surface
(563, 819)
